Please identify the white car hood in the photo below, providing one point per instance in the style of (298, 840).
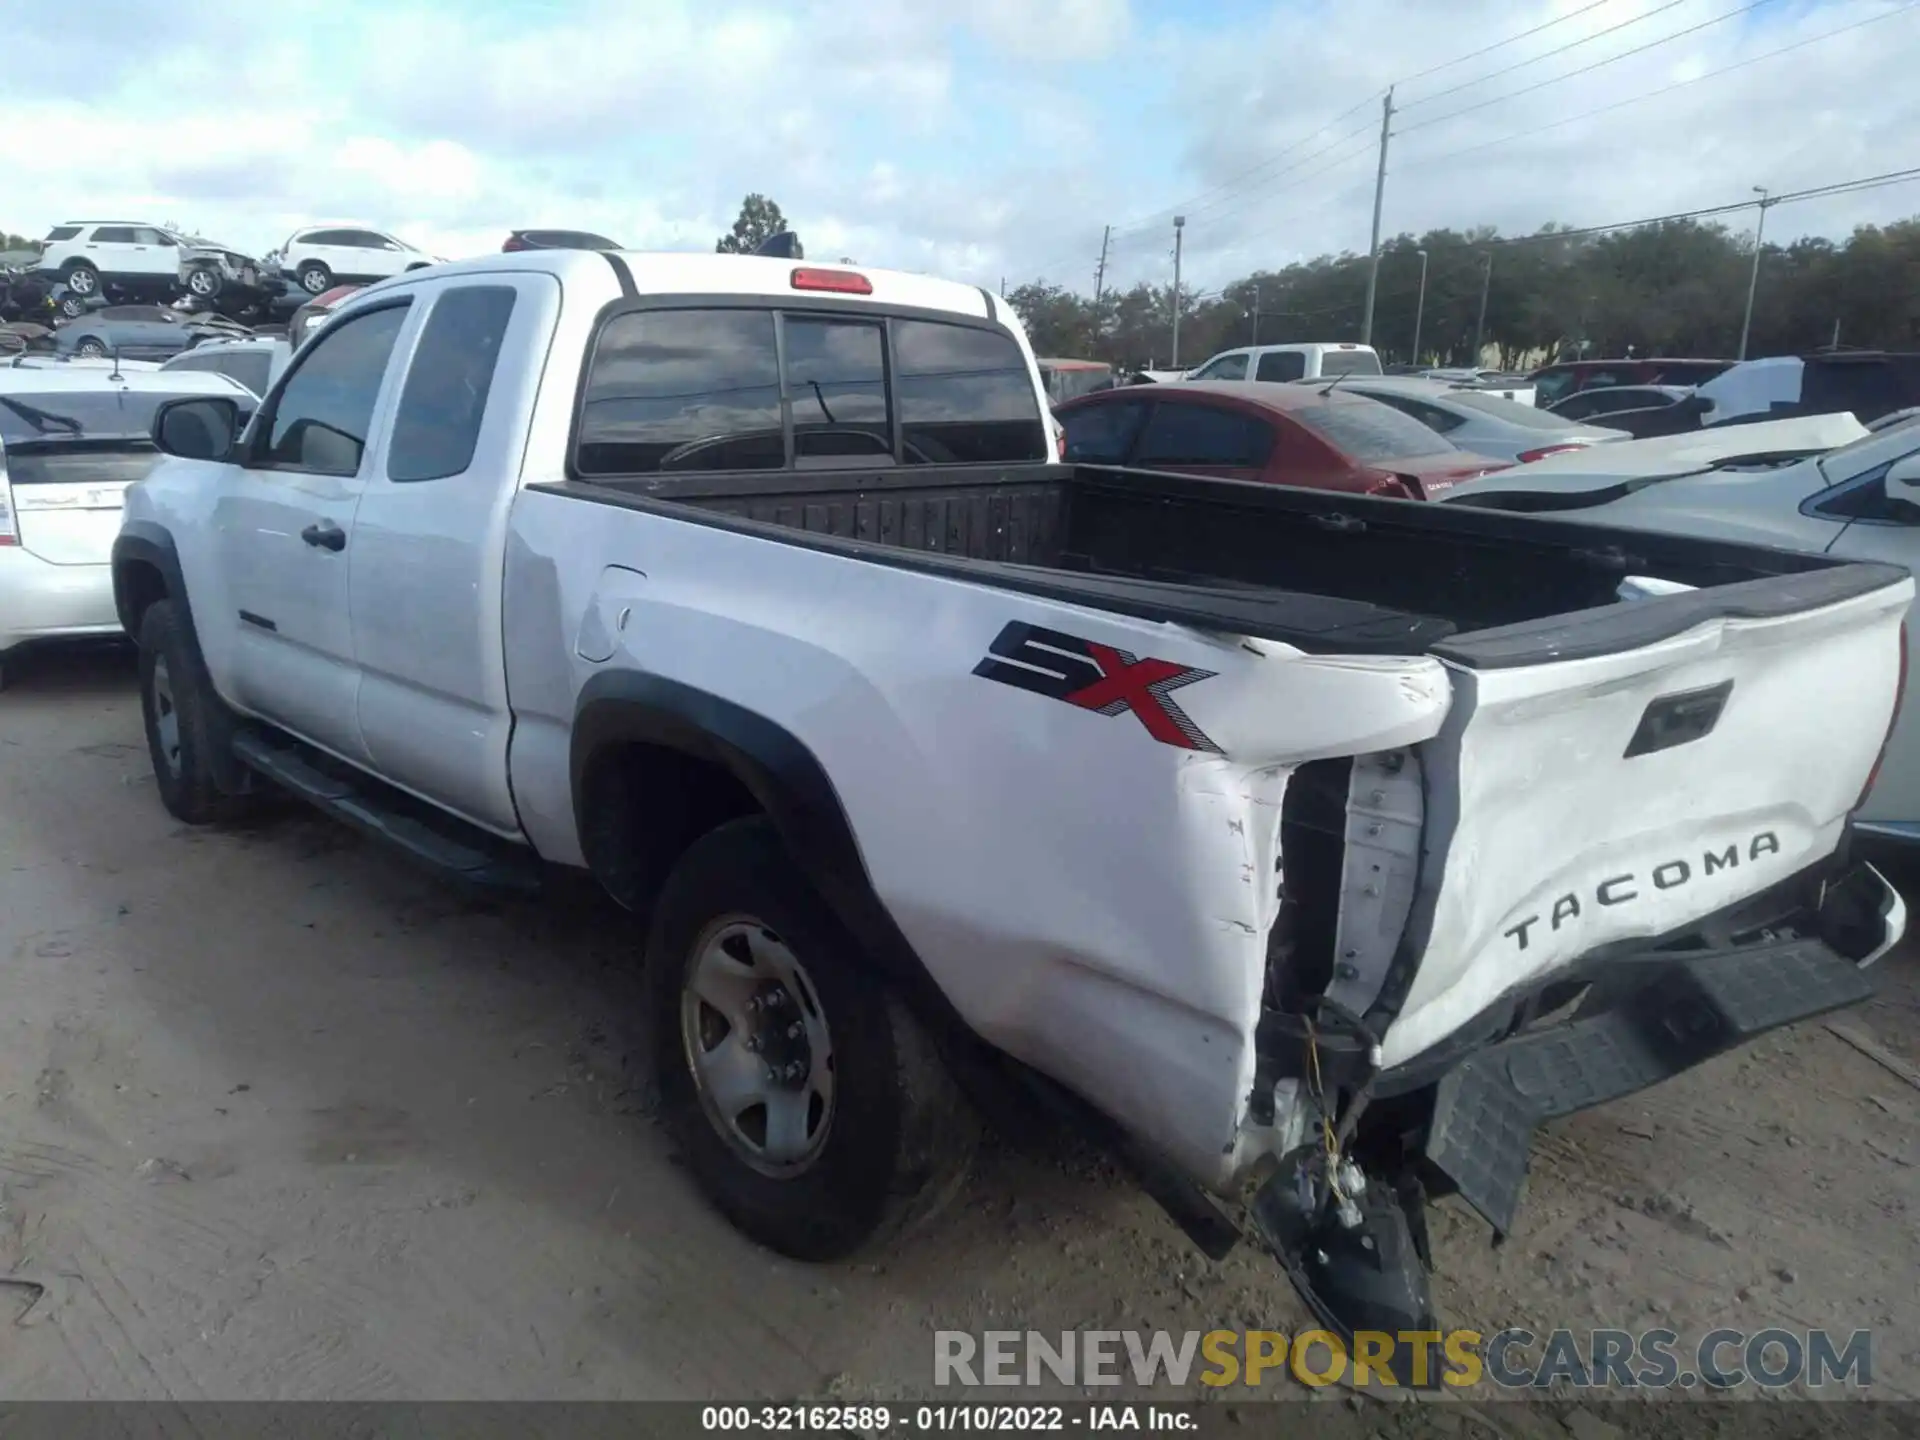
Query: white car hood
(1599, 466)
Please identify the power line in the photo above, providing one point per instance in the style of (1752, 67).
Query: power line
(1195, 202)
(1557, 50)
(1666, 89)
(1502, 44)
(1817, 192)
(1588, 69)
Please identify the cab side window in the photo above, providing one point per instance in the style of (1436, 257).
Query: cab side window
(324, 412)
(1282, 365)
(437, 425)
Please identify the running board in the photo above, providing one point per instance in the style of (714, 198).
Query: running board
(448, 846)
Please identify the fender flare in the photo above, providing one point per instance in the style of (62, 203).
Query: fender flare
(143, 542)
(789, 784)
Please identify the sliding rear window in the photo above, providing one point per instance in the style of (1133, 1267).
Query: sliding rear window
(670, 391)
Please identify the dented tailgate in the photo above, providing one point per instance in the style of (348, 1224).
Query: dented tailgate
(1620, 774)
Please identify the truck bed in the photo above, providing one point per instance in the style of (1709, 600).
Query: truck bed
(1325, 573)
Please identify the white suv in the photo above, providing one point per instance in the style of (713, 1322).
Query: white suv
(323, 255)
(89, 254)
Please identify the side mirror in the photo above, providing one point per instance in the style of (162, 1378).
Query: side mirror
(1905, 472)
(198, 427)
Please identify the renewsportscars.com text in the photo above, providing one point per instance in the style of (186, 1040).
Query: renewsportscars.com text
(1509, 1359)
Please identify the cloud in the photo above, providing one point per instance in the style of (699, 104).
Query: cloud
(992, 139)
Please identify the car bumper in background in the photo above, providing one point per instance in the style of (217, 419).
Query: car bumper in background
(39, 601)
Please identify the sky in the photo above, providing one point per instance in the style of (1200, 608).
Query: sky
(988, 141)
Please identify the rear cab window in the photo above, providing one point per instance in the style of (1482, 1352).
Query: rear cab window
(62, 232)
(702, 389)
(1349, 362)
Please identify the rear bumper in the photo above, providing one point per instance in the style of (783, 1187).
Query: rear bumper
(1662, 1012)
(41, 601)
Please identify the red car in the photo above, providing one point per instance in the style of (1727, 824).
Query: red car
(1310, 435)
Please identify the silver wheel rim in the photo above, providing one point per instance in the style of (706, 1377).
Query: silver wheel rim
(81, 282)
(313, 281)
(90, 347)
(757, 1045)
(166, 719)
(200, 283)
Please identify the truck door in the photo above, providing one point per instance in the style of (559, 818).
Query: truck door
(284, 523)
(429, 545)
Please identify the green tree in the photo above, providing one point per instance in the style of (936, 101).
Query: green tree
(759, 220)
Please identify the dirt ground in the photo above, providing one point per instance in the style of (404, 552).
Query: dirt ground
(281, 1119)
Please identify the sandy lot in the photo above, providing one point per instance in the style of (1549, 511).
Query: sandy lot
(281, 1119)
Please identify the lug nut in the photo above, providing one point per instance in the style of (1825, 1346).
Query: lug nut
(794, 1070)
(796, 1030)
(753, 1044)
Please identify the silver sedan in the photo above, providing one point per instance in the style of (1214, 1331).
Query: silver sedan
(1485, 424)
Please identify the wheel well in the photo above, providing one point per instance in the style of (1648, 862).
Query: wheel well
(645, 805)
(136, 585)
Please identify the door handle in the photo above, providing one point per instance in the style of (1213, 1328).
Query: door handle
(326, 535)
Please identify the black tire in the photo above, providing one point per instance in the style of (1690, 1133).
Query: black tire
(900, 1136)
(173, 681)
(82, 279)
(204, 282)
(90, 348)
(72, 306)
(315, 278)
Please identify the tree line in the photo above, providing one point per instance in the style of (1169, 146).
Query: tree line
(1676, 288)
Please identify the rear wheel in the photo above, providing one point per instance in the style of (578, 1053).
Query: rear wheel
(83, 279)
(184, 722)
(810, 1107)
(315, 278)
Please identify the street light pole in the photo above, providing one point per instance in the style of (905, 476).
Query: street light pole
(1420, 309)
(1480, 325)
(1753, 277)
(1179, 227)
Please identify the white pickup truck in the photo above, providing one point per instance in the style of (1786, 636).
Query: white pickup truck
(1308, 849)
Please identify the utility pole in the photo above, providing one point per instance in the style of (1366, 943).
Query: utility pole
(1379, 196)
(1480, 325)
(1256, 314)
(1753, 277)
(1420, 309)
(1179, 227)
(1100, 270)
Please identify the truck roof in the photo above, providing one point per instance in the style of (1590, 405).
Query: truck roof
(682, 273)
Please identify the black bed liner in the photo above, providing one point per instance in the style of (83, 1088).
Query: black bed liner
(1328, 573)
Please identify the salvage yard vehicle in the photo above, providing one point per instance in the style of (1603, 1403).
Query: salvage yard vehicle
(557, 240)
(73, 435)
(1553, 383)
(254, 362)
(134, 332)
(1313, 361)
(1826, 485)
(1308, 849)
(321, 256)
(1322, 436)
(1478, 421)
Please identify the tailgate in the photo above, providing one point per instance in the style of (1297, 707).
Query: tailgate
(1622, 773)
(67, 497)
